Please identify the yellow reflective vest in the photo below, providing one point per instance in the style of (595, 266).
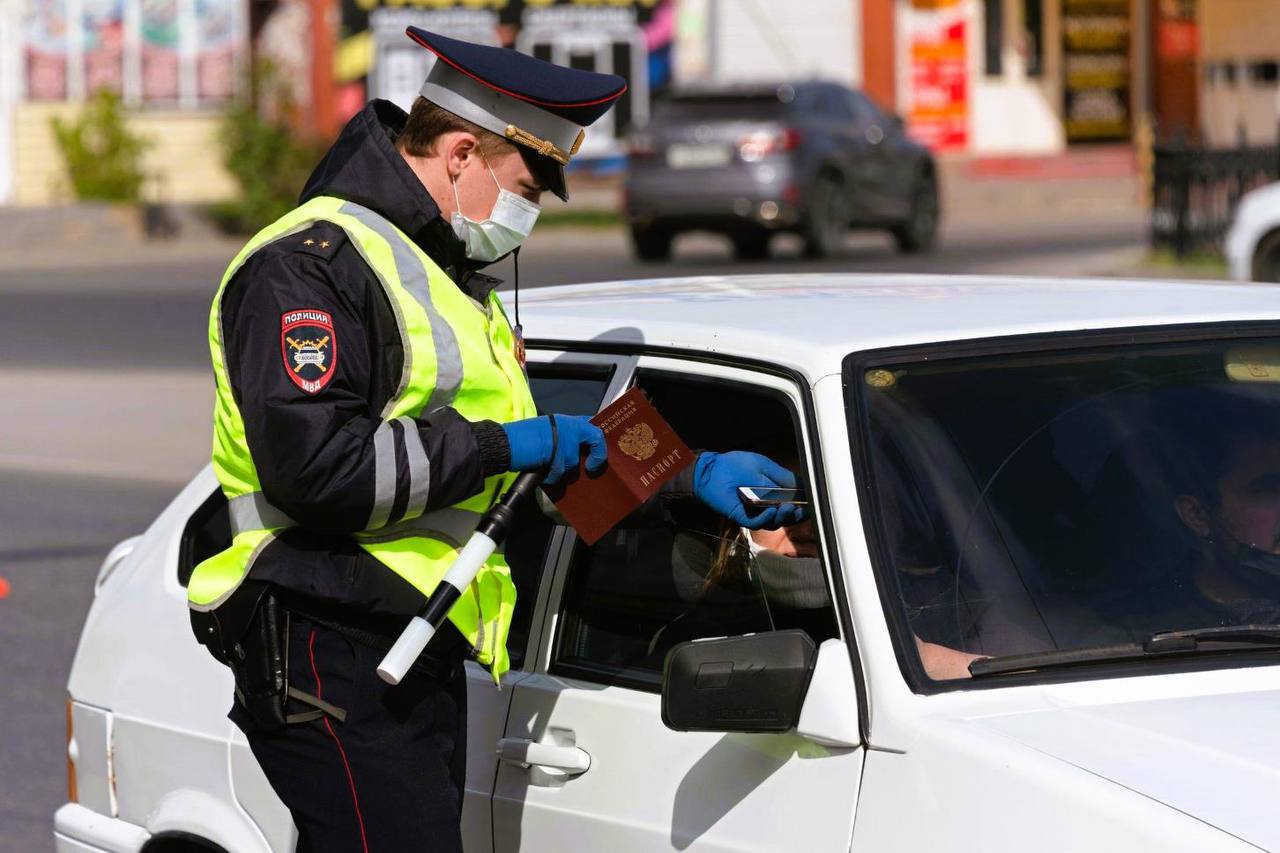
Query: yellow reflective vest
(456, 353)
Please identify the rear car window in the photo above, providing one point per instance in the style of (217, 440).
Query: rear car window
(1072, 499)
(720, 107)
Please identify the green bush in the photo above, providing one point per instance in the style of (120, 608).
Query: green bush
(265, 156)
(103, 157)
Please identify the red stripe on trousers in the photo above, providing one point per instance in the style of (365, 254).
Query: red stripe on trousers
(311, 649)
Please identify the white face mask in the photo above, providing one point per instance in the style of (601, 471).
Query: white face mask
(508, 224)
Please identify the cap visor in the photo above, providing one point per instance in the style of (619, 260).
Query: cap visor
(546, 171)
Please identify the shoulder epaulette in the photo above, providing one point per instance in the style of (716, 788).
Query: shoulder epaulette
(322, 240)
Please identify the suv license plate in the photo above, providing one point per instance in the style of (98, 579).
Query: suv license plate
(697, 156)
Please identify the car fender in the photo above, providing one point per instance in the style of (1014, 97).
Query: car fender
(197, 813)
(1257, 216)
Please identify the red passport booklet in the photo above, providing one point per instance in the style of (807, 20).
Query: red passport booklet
(644, 453)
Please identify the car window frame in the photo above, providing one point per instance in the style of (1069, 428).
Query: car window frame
(799, 392)
(856, 363)
(556, 553)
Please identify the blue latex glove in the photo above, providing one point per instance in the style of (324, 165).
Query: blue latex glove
(555, 442)
(717, 476)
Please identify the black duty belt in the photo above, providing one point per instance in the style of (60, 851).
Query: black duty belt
(441, 664)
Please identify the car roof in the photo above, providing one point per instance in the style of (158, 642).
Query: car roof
(811, 321)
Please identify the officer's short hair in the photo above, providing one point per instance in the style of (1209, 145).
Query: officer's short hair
(428, 122)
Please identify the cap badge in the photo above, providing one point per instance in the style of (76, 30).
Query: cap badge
(545, 147)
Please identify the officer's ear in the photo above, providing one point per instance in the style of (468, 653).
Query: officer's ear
(458, 148)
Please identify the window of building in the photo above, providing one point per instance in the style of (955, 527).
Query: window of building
(993, 37)
(1264, 73)
(1221, 73)
(1033, 25)
(152, 52)
(674, 571)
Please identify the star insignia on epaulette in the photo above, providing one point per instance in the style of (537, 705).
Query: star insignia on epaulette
(308, 242)
(324, 244)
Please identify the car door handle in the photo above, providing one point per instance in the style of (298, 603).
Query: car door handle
(528, 753)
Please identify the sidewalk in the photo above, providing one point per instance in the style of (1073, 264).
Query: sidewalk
(100, 235)
(1091, 192)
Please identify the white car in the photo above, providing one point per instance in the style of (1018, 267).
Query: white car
(1047, 485)
(1253, 243)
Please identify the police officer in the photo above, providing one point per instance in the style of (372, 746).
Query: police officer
(371, 405)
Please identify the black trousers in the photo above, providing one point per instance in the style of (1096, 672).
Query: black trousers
(387, 779)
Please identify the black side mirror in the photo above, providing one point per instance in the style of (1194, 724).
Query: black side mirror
(755, 683)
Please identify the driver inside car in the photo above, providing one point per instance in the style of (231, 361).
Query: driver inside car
(770, 580)
(1228, 499)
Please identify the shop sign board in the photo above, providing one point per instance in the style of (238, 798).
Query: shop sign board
(940, 84)
(1096, 62)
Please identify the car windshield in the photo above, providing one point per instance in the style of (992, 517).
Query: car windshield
(1072, 499)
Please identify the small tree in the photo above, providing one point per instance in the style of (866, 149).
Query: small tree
(264, 154)
(103, 156)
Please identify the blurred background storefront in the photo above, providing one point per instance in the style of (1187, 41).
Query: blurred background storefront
(971, 77)
(175, 64)
(632, 38)
(1036, 76)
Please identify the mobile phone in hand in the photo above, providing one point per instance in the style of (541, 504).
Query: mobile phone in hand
(766, 496)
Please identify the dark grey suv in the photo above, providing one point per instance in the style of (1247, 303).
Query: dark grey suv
(814, 158)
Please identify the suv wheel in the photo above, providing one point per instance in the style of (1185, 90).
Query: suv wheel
(651, 244)
(750, 245)
(921, 228)
(828, 218)
(1266, 259)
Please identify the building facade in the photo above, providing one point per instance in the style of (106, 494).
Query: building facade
(1240, 84)
(971, 77)
(632, 38)
(175, 63)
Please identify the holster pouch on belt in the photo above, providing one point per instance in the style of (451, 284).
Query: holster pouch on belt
(249, 632)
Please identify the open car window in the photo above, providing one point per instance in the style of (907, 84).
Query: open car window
(1070, 499)
(569, 387)
(674, 570)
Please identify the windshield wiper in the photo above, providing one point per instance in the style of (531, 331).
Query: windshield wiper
(1228, 638)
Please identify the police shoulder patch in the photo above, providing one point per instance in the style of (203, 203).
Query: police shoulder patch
(309, 348)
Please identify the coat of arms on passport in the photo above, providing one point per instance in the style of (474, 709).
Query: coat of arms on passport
(638, 442)
(644, 453)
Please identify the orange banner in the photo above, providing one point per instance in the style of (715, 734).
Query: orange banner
(939, 115)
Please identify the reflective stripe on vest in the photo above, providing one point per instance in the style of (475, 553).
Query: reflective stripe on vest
(456, 353)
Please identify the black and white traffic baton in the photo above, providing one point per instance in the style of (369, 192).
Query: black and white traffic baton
(493, 528)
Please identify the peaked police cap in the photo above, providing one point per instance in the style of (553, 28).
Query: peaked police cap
(541, 107)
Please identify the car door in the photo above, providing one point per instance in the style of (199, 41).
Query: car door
(592, 696)
(563, 383)
(872, 140)
(896, 158)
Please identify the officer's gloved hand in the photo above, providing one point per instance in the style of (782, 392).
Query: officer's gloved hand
(555, 442)
(717, 476)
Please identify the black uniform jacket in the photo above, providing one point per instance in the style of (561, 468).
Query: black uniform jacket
(313, 447)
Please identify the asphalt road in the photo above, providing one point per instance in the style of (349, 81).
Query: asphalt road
(156, 317)
(93, 359)
(54, 532)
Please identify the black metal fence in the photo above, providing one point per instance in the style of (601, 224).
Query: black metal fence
(1195, 191)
